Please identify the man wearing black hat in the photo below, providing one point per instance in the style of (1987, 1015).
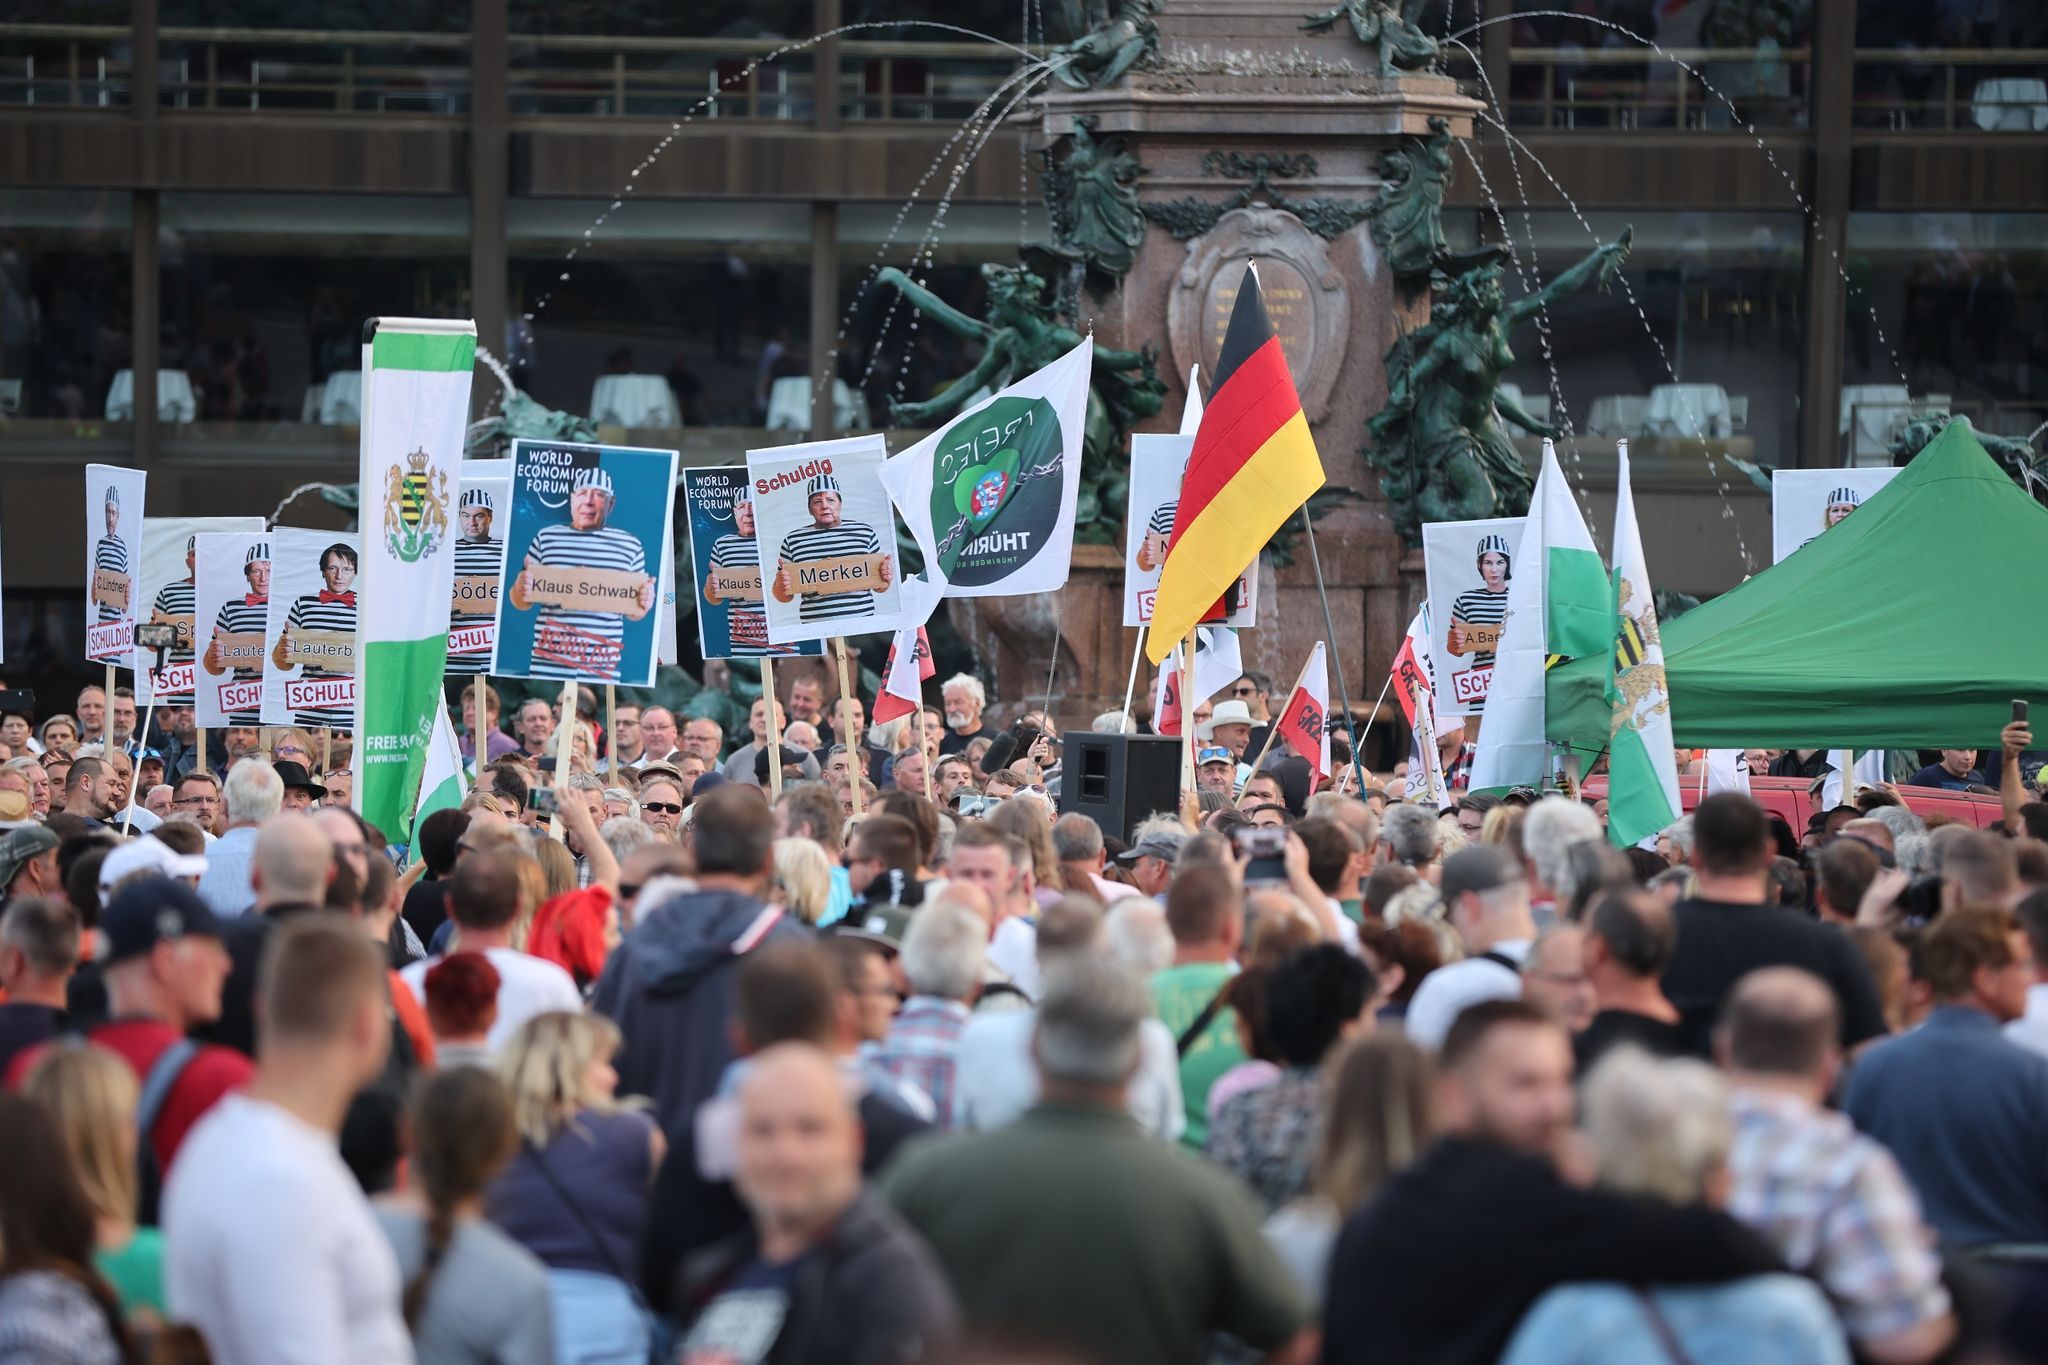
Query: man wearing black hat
(575, 642)
(827, 537)
(300, 790)
(164, 967)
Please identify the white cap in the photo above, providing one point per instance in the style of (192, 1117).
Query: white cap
(147, 855)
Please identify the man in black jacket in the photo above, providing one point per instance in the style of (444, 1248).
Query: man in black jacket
(1444, 1262)
(826, 1273)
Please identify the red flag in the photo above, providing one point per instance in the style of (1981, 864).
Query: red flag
(1410, 680)
(1303, 724)
(901, 691)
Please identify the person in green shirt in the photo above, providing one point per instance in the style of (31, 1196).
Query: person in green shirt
(92, 1095)
(1072, 1233)
(1205, 912)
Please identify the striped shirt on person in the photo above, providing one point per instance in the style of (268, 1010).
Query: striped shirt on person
(1480, 608)
(569, 643)
(745, 622)
(1162, 518)
(110, 555)
(475, 559)
(812, 543)
(239, 616)
(309, 613)
(176, 602)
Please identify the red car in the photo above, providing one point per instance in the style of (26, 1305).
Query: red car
(1793, 798)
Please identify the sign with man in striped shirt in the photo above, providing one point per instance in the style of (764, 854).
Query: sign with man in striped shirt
(479, 565)
(113, 523)
(231, 608)
(309, 667)
(826, 539)
(1468, 565)
(1159, 464)
(587, 535)
(726, 563)
(164, 580)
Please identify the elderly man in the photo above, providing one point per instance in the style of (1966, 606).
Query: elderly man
(534, 727)
(1155, 843)
(254, 794)
(1230, 727)
(702, 736)
(740, 767)
(966, 699)
(661, 804)
(1216, 770)
(578, 642)
(1409, 837)
(1077, 844)
(942, 961)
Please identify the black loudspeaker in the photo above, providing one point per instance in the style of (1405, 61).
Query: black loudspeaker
(1119, 780)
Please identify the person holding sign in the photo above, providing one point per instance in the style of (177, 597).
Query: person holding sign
(112, 566)
(320, 633)
(735, 579)
(237, 642)
(174, 607)
(1476, 615)
(571, 640)
(809, 560)
(479, 560)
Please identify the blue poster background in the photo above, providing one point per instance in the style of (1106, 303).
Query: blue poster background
(708, 496)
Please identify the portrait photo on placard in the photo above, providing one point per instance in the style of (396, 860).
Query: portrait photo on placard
(725, 561)
(113, 554)
(1158, 466)
(167, 588)
(231, 608)
(1806, 502)
(309, 658)
(1469, 565)
(482, 507)
(583, 562)
(827, 540)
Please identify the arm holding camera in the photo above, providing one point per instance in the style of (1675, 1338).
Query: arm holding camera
(2014, 741)
(1295, 860)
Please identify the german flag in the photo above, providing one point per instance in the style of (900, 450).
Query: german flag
(1254, 464)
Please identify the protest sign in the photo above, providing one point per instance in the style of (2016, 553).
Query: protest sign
(113, 526)
(990, 496)
(1468, 565)
(826, 540)
(726, 566)
(231, 605)
(582, 562)
(1805, 502)
(166, 588)
(309, 659)
(480, 516)
(1158, 464)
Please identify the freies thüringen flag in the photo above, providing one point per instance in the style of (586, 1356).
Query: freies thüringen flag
(1253, 465)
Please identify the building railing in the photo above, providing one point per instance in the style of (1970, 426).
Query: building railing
(1633, 88)
(1961, 89)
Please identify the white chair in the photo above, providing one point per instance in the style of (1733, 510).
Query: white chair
(10, 396)
(1617, 414)
(1699, 410)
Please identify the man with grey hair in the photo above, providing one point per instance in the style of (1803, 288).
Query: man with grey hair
(1486, 900)
(1155, 844)
(1137, 1253)
(622, 834)
(1408, 834)
(1114, 723)
(943, 955)
(254, 794)
(1137, 935)
(1549, 829)
(965, 699)
(1077, 846)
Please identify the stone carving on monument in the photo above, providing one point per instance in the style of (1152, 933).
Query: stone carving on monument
(1091, 197)
(1389, 28)
(1327, 218)
(1108, 40)
(1408, 217)
(1439, 444)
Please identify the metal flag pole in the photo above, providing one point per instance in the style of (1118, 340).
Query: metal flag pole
(1125, 725)
(1330, 626)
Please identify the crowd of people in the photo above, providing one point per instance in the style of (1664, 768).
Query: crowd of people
(878, 1057)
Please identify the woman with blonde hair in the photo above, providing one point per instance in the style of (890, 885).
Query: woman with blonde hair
(293, 745)
(1024, 817)
(803, 878)
(575, 1194)
(58, 734)
(91, 1095)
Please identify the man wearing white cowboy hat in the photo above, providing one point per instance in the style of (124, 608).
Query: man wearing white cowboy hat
(577, 642)
(827, 537)
(1229, 727)
(110, 552)
(478, 556)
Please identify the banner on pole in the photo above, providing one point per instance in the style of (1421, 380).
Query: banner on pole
(725, 564)
(1469, 565)
(583, 562)
(1159, 464)
(231, 607)
(1304, 723)
(309, 659)
(113, 528)
(826, 540)
(482, 508)
(1806, 502)
(166, 581)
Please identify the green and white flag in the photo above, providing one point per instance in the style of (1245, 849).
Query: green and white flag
(1560, 606)
(445, 782)
(416, 374)
(1642, 765)
(990, 496)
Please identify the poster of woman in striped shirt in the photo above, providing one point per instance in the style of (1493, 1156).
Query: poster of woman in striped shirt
(165, 579)
(588, 530)
(1807, 502)
(479, 566)
(826, 537)
(231, 596)
(113, 517)
(731, 623)
(1159, 464)
(310, 672)
(1469, 565)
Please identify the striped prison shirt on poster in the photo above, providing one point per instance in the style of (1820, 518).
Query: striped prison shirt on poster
(475, 559)
(174, 602)
(1162, 518)
(745, 622)
(110, 555)
(1480, 608)
(568, 643)
(239, 616)
(813, 543)
(309, 613)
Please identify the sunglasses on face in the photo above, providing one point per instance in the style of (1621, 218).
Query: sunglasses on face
(662, 807)
(1243, 691)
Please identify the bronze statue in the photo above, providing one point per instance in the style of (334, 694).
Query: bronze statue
(1096, 216)
(1407, 219)
(519, 416)
(1021, 335)
(2027, 465)
(1107, 41)
(1438, 445)
(1390, 27)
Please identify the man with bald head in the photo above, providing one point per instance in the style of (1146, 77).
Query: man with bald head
(1832, 1201)
(289, 871)
(483, 901)
(829, 1273)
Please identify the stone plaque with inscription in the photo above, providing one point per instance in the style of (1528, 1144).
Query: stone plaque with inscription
(1305, 298)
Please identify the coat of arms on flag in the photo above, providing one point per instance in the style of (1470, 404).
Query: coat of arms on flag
(1638, 661)
(415, 509)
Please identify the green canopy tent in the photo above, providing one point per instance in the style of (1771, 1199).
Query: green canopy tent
(1911, 625)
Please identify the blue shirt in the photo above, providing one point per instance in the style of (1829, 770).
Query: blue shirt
(1934, 775)
(1774, 1318)
(1966, 1114)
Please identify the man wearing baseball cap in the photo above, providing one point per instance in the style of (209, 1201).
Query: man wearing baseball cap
(163, 965)
(28, 863)
(580, 642)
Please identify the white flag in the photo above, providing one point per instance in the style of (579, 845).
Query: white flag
(1866, 768)
(445, 780)
(1191, 411)
(1218, 662)
(1642, 764)
(1727, 771)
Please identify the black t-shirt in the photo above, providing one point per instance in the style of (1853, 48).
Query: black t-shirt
(1613, 1028)
(1790, 764)
(952, 742)
(426, 905)
(23, 1026)
(1719, 943)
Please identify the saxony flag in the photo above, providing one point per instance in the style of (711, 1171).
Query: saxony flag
(1253, 464)
(1642, 765)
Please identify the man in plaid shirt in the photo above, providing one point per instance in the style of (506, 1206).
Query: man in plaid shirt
(942, 960)
(1833, 1202)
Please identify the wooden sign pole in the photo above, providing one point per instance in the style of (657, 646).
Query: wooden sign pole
(856, 766)
(564, 733)
(769, 695)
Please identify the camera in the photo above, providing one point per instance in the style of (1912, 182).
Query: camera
(970, 805)
(1263, 851)
(155, 635)
(543, 801)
